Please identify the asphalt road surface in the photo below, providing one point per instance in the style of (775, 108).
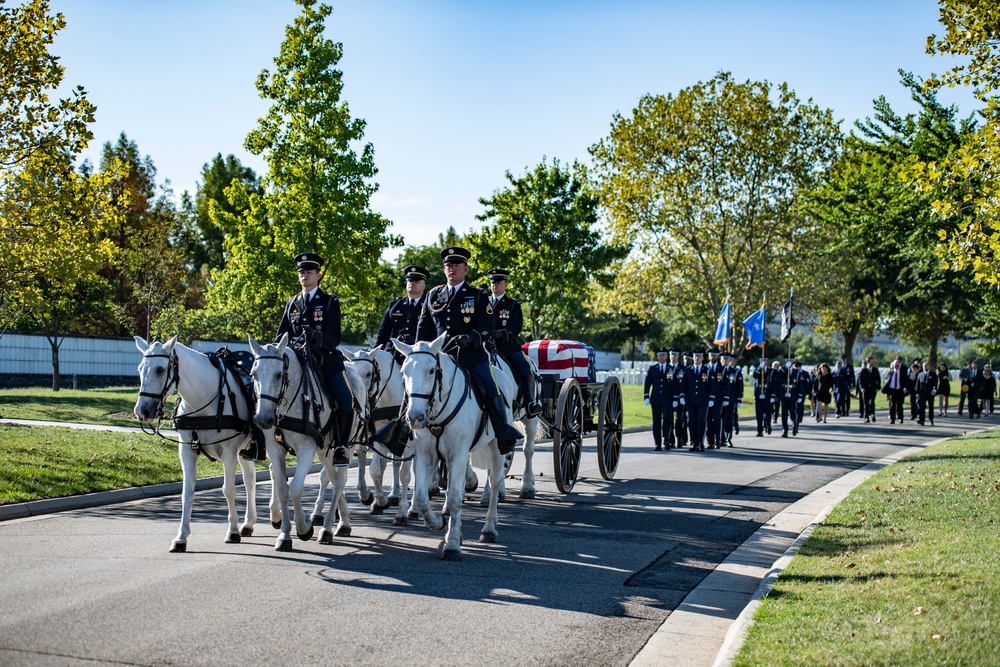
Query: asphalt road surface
(579, 579)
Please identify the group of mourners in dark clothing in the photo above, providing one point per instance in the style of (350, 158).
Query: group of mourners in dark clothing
(780, 393)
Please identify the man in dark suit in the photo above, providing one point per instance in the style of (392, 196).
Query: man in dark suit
(314, 315)
(696, 392)
(911, 376)
(508, 320)
(975, 383)
(963, 379)
(464, 313)
(896, 387)
(400, 318)
(925, 390)
(660, 392)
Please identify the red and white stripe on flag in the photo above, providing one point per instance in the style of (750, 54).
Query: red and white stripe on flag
(565, 357)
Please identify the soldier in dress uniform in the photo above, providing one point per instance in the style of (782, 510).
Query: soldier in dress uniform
(804, 382)
(763, 394)
(314, 315)
(717, 389)
(400, 318)
(464, 313)
(658, 392)
(696, 392)
(507, 324)
(788, 386)
(732, 398)
(681, 418)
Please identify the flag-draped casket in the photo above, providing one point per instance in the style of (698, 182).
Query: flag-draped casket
(565, 358)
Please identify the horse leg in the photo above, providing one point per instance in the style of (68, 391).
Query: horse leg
(394, 496)
(250, 486)
(280, 517)
(364, 494)
(424, 469)
(404, 502)
(189, 467)
(528, 477)
(317, 513)
(496, 474)
(304, 455)
(452, 548)
(338, 504)
(380, 501)
(228, 457)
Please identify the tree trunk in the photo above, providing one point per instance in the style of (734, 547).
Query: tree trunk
(932, 355)
(851, 337)
(52, 335)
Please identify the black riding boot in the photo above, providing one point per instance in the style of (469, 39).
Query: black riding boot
(393, 436)
(342, 434)
(534, 407)
(507, 435)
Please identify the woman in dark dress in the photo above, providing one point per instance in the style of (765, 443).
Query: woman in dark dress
(989, 389)
(943, 389)
(823, 389)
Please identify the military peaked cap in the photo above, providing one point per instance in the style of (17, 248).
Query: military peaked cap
(308, 260)
(414, 272)
(455, 255)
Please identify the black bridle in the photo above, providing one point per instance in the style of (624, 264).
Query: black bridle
(311, 422)
(438, 428)
(173, 377)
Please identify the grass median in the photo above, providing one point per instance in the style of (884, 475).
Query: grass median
(904, 571)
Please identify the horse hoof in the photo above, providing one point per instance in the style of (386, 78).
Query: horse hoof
(413, 514)
(488, 538)
(283, 545)
(246, 531)
(178, 547)
(276, 525)
(393, 501)
(399, 521)
(317, 520)
(451, 554)
(484, 502)
(344, 531)
(527, 494)
(433, 491)
(471, 488)
(367, 500)
(325, 537)
(306, 536)
(233, 538)
(378, 509)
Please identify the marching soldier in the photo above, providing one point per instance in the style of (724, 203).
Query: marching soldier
(717, 389)
(763, 394)
(315, 315)
(788, 386)
(696, 391)
(733, 398)
(804, 382)
(681, 418)
(400, 318)
(659, 393)
(508, 322)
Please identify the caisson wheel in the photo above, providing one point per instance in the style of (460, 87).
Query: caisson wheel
(567, 435)
(609, 427)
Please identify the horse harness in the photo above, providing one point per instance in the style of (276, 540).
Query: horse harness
(193, 421)
(437, 430)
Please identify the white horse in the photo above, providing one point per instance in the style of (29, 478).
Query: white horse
(384, 386)
(168, 368)
(306, 428)
(447, 422)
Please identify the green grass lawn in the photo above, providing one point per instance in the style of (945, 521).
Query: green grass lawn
(86, 406)
(905, 571)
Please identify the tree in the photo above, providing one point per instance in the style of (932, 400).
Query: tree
(543, 229)
(967, 180)
(316, 192)
(705, 185)
(31, 125)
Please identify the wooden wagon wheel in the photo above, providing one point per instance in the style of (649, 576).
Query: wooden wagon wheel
(567, 435)
(609, 427)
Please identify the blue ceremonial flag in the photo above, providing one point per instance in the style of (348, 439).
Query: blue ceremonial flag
(754, 326)
(724, 325)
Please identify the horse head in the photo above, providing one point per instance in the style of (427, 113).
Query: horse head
(422, 378)
(270, 379)
(157, 377)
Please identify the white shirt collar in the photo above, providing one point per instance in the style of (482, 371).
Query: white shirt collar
(310, 294)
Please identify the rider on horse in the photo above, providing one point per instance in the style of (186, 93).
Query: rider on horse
(400, 318)
(508, 322)
(315, 314)
(464, 313)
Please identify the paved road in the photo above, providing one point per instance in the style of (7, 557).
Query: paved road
(581, 579)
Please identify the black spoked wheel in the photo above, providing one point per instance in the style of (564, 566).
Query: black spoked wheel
(609, 427)
(567, 435)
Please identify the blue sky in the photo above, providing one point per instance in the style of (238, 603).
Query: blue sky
(457, 93)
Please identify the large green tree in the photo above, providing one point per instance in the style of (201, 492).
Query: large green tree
(543, 229)
(705, 184)
(316, 192)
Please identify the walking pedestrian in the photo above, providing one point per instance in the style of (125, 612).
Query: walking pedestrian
(944, 389)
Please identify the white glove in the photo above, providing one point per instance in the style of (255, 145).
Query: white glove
(772, 400)
(675, 404)
(682, 400)
(800, 400)
(711, 404)
(725, 403)
(647, 401)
